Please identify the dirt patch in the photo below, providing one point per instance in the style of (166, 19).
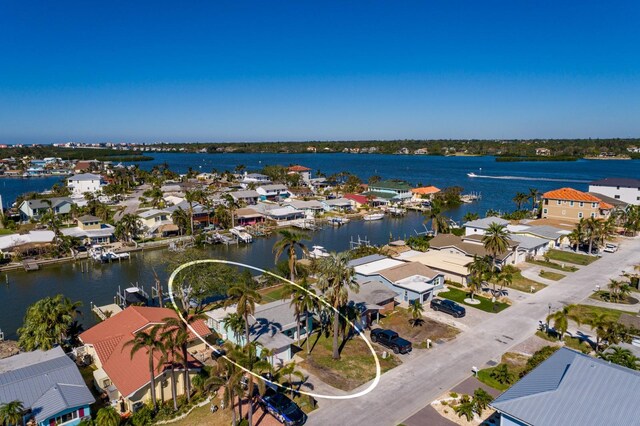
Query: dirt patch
(429, 328)
(8, 348)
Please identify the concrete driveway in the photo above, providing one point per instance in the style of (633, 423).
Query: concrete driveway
(406, 389)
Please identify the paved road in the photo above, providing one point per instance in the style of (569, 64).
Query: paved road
(406, 389)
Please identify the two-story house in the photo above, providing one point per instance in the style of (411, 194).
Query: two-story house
(85, 182)
(572, 205)
(90, 230)
(622, 189)
(392, 190)
(34, 209)
(273, 192)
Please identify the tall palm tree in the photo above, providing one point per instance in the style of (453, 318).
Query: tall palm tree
(182, 337)
(234, 322)
(245, 299)
(180, 218)
(155, 195)
(496, 241)
(289, 371)
(232, 205)
(335, 278)
(416, 310)
(439, 222)
(229, 376)
(149, 341)
(520, 198)
(108, 416)
(130, 225)
(561, 320)
(47, 323)
(593, 231)
(504, 277)
(303, 301)
(576, 236)
(480, 270)
(170, 355)
(533, 196)
(11, 413)
(191, 197)
(289, 242)
(600, 323)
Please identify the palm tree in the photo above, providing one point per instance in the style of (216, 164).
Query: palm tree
(561, 320)
(416, 310)
(108, 416)
(593, 230)
(439, 222)
(502, 374)
(149, 341)
(481, 400)
(520, 198)
(229, 376)
(47, 323)
(505, 277)
(622, 357)
(11, 413)
(180, 218)
(303, 301)
(232, 205)
(465, 408)
(335, 277)
(182, 337)
(599, 322)
(171, 355)
(234, 322)
(533, 196)
(289, 371)
(130, 226)
(191, 197)
(479, 271)
(618, 290)
(577, 234)
(289, 242)
(496, 241)
(156, 196)
(245, 299)
(468, 217)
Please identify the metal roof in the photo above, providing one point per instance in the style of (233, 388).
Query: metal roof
(625, 182)
(367, 259)
(571, 388)
(47, 382)
(485, 222)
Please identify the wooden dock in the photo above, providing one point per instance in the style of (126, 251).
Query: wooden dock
(30, 265)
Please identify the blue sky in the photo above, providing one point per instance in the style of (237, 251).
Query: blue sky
(302, 70)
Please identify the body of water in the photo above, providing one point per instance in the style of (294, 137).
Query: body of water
(498, 186)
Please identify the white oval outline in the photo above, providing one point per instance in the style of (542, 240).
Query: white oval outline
(363, 392)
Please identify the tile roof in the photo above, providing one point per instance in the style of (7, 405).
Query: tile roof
(360, 199)
(298, 168)
(47, 382)
(571, 388)
(130, 373)
(570, 194)
(425, 190)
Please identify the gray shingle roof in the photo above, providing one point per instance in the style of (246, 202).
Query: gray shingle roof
(41, 204)
(47, 382)
(485, 222)
(570, 388)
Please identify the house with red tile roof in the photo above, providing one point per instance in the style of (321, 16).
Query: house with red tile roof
(424, 193)
(304, 172)
(125, 378)
(572, 205)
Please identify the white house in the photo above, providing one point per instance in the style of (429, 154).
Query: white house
(84, 182)
(480, 226)
(623, 189)
(273, 192)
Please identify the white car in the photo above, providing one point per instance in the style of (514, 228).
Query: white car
(610, 248)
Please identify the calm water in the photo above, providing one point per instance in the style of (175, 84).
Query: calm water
(101, 282)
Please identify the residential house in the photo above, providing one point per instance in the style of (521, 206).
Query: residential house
(248, 216)
(392, 190)
(86, 165)
(421, 151)
(248, 197)
(84, 182)
(49, 386)
(423, 193)
(571, 388)
(255, 179)
(273, 192)
(556, 237)
(372, 299)
(471, 245)
(357, 201)
(124, 376)
(341, 205)
(572, 205)
(23, 242)
(310, 208)
(34, 209)
(453, 266)
(480, 226)
(90, 230)
(157, 222)
(273, 325)
(304, 172)
(622, 189)
(201, 214)
(409, 280)
(281, 214)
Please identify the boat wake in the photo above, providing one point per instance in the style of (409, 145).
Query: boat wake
(530, 178)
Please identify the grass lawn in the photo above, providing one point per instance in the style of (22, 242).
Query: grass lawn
(577, 344)
(203, 416)
(355, 366)
(271, 294)
(485, 304)
(553, 265)
(524, 284)
(571, 257)
(551, 275)
(604, 296)
(398, 321)
(586, 312)
(5, 231)
(516, 363)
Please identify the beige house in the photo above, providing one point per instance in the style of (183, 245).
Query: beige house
(572, 205)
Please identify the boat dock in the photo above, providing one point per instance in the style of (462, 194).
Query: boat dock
(241, 235)
(106, 311)
(30, 265)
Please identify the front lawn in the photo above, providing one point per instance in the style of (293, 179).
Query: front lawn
(398, 321)
(551, 275)
(355, 366)
(484, 305)
(606, 297)
(515, 363)
(586, 312)
(204, 416)
(553, 265)
(271, 294)
(525, 284)
(571, 257)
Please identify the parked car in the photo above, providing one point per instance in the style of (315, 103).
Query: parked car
(391, 340)
(282, 408)
(611, 248)
(449, 307)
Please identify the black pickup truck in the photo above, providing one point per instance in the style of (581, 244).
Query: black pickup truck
(449, 307)
(391, 340)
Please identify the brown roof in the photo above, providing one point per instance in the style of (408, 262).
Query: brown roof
(129, 373)
(247, 212)
(442, 241)
(406, 270)
(570, 194)
(298, 168)
(426, 190)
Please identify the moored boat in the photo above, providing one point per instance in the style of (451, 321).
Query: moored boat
(373, 216)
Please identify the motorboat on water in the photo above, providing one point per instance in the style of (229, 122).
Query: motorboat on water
(373, 216)
(338, 221)
(471, 175)
(318, 252)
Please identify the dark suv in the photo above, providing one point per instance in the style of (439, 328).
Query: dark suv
(282, 408)
(391, 340)
(448, 306)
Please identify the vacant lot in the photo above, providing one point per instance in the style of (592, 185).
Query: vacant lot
(355, 366)
(586, 312)
(398, 321)
(515, 363)
(567, 256)
(551, 275)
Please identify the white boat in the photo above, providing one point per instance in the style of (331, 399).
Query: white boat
(241, 234)
(396, 211)
(471, 174)
(373, 216)
(338, 221)
(318, 252)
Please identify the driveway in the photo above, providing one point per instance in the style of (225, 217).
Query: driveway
(472, 318)
(406, 389)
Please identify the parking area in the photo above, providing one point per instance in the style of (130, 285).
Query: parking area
(472, 318)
